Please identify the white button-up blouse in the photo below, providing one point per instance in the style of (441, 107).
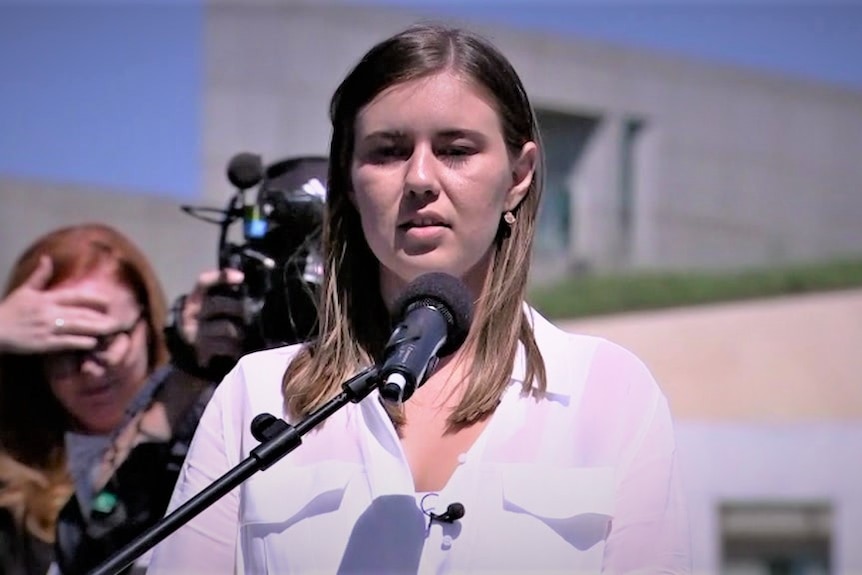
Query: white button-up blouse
(583, 480)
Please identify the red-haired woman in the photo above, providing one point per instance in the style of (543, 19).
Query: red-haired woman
(89, 420)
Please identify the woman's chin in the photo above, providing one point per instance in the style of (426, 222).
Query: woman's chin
(100, 420)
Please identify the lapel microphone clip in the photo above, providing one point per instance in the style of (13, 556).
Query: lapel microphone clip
(454, 511)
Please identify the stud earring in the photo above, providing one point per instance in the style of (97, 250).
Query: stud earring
(509, 218)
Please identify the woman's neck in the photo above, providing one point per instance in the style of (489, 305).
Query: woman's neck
(445, 387)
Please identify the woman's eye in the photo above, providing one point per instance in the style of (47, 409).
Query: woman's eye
(394, 151)
(387, 153)
(456, 153)
(459, 149)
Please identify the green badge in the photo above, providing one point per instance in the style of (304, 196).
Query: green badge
(104, 502)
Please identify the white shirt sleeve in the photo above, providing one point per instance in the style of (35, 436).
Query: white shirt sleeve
(649, 531)
(207, 543)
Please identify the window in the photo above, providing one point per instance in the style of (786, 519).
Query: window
(628, 182)
(565, 137)
(776, 539)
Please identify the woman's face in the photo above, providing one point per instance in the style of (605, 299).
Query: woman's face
(432, 178)
(96, 387)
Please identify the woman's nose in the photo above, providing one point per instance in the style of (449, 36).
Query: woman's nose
(96, 362)
(420, 178)
(93, 366)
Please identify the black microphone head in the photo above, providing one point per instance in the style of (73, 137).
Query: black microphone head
(455, 511)
(450, 296)
(245, 170)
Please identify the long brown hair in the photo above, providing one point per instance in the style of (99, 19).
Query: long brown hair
(34, 482)
(353, 317)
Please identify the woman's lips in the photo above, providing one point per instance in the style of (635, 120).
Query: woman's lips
(424, 233)
(98, 392)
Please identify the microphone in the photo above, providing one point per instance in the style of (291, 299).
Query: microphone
(245, 170)
(436, 311)
(454, 511)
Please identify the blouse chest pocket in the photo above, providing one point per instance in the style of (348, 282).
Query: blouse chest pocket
(284, 511)
(286, 494)
(576, 503)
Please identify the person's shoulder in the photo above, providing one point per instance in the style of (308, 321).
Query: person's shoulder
(560, 346)
(267, 358)
(257, 376)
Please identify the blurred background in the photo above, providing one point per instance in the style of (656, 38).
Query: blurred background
(703, 200)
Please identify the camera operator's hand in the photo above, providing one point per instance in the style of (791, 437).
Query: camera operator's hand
(193, 311)
(36, 320)
(211, 324)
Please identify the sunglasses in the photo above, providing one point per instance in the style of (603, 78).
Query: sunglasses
(66, 362)
(106, 341)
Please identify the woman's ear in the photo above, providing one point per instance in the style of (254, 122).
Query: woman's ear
(523, 171)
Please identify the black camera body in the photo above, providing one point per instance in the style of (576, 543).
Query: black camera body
(280, 253)
(284, 225)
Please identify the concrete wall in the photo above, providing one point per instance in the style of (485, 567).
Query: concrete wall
(746, 168)
(773, 464)
(768, 406)
(178, 246)
(779, 360)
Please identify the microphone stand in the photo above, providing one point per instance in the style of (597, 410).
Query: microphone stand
(277, 437)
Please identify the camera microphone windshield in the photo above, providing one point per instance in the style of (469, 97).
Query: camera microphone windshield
(245, 170)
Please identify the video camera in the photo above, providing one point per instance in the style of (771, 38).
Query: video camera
(280, 253)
